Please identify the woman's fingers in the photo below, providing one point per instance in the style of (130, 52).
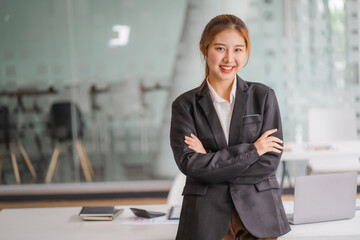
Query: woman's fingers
(191, 141)
(268, 133)
(275, 150)
(194, 137)
(274, 139)
(278, 146)
(267, 143)
(194, 143)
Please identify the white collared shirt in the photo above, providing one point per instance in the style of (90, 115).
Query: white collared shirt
(223, 108)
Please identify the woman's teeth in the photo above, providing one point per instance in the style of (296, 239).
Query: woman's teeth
(226, 68)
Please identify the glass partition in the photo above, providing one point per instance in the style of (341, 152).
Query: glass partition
(85, 84)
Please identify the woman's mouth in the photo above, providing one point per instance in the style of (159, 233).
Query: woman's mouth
(226, 69)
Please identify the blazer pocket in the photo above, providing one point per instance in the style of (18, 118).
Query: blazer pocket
(195, 189)
(267, 184)
(252, 118)
(251, 127)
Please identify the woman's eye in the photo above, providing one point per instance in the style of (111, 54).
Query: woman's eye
(220, 49)
(238, 50)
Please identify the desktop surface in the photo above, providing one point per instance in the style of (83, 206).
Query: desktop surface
(347, 229)
(65, 223)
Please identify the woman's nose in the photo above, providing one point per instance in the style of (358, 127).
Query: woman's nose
(228, 56)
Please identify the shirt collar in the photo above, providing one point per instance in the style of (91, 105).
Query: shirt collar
(215, 97)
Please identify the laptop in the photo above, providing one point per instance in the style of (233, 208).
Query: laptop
(324, 197)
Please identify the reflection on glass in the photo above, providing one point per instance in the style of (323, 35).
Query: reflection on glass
(122, 39)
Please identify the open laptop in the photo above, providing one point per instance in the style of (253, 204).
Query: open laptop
(324, 197)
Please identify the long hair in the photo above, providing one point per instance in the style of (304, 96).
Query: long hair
(216, 25)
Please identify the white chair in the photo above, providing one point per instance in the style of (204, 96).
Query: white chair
(175, 194)
(327, 125)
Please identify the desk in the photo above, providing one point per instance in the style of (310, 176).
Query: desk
(27, 92)
(64, 223)
(304, 151)
(295, 151)
(344, 229)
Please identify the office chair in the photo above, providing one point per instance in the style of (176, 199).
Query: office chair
(327, 125)
(66, 123)
(5, 138)
(175, 197)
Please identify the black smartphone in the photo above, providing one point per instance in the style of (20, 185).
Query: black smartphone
(146, 214)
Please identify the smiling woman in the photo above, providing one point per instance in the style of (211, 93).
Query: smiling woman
(208, 38)
(226, 55)
(226, 137)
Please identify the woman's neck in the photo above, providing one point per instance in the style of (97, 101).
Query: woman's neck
(222, 87)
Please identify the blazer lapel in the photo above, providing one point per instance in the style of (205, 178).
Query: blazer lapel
(213, 119)
(238, 112)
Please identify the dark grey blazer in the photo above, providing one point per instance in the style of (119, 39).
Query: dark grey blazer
(231, 175)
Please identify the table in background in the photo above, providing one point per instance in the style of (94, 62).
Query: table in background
(304, 151)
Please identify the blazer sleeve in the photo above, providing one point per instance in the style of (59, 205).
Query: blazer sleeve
(269, 162)
(212, 167)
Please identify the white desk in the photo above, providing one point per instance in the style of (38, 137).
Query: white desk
(295, 151)
(344, 229)
(304, 151)
(64, 223)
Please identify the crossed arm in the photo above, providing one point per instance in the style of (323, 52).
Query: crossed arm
(264, 144)
(244, 163)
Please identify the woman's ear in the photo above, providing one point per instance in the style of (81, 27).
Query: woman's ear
(202, 50)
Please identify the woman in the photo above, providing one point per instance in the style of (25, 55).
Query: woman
(226, 138)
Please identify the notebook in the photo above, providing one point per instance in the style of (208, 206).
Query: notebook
(324, 197)
(99, 213)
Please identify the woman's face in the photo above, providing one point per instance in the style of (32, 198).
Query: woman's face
(226, 55)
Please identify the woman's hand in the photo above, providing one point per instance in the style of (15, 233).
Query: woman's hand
(194, 143)
(267, 143)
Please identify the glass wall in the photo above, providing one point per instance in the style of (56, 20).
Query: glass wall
(308, 51)
(87, 84)
(110, 60)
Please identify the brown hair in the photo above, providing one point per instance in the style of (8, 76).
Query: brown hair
(216, 25)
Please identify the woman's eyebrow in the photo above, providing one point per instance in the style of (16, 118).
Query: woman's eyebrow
(222, 44)
(219, 44)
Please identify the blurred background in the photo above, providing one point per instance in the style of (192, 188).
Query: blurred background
(86, 85)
